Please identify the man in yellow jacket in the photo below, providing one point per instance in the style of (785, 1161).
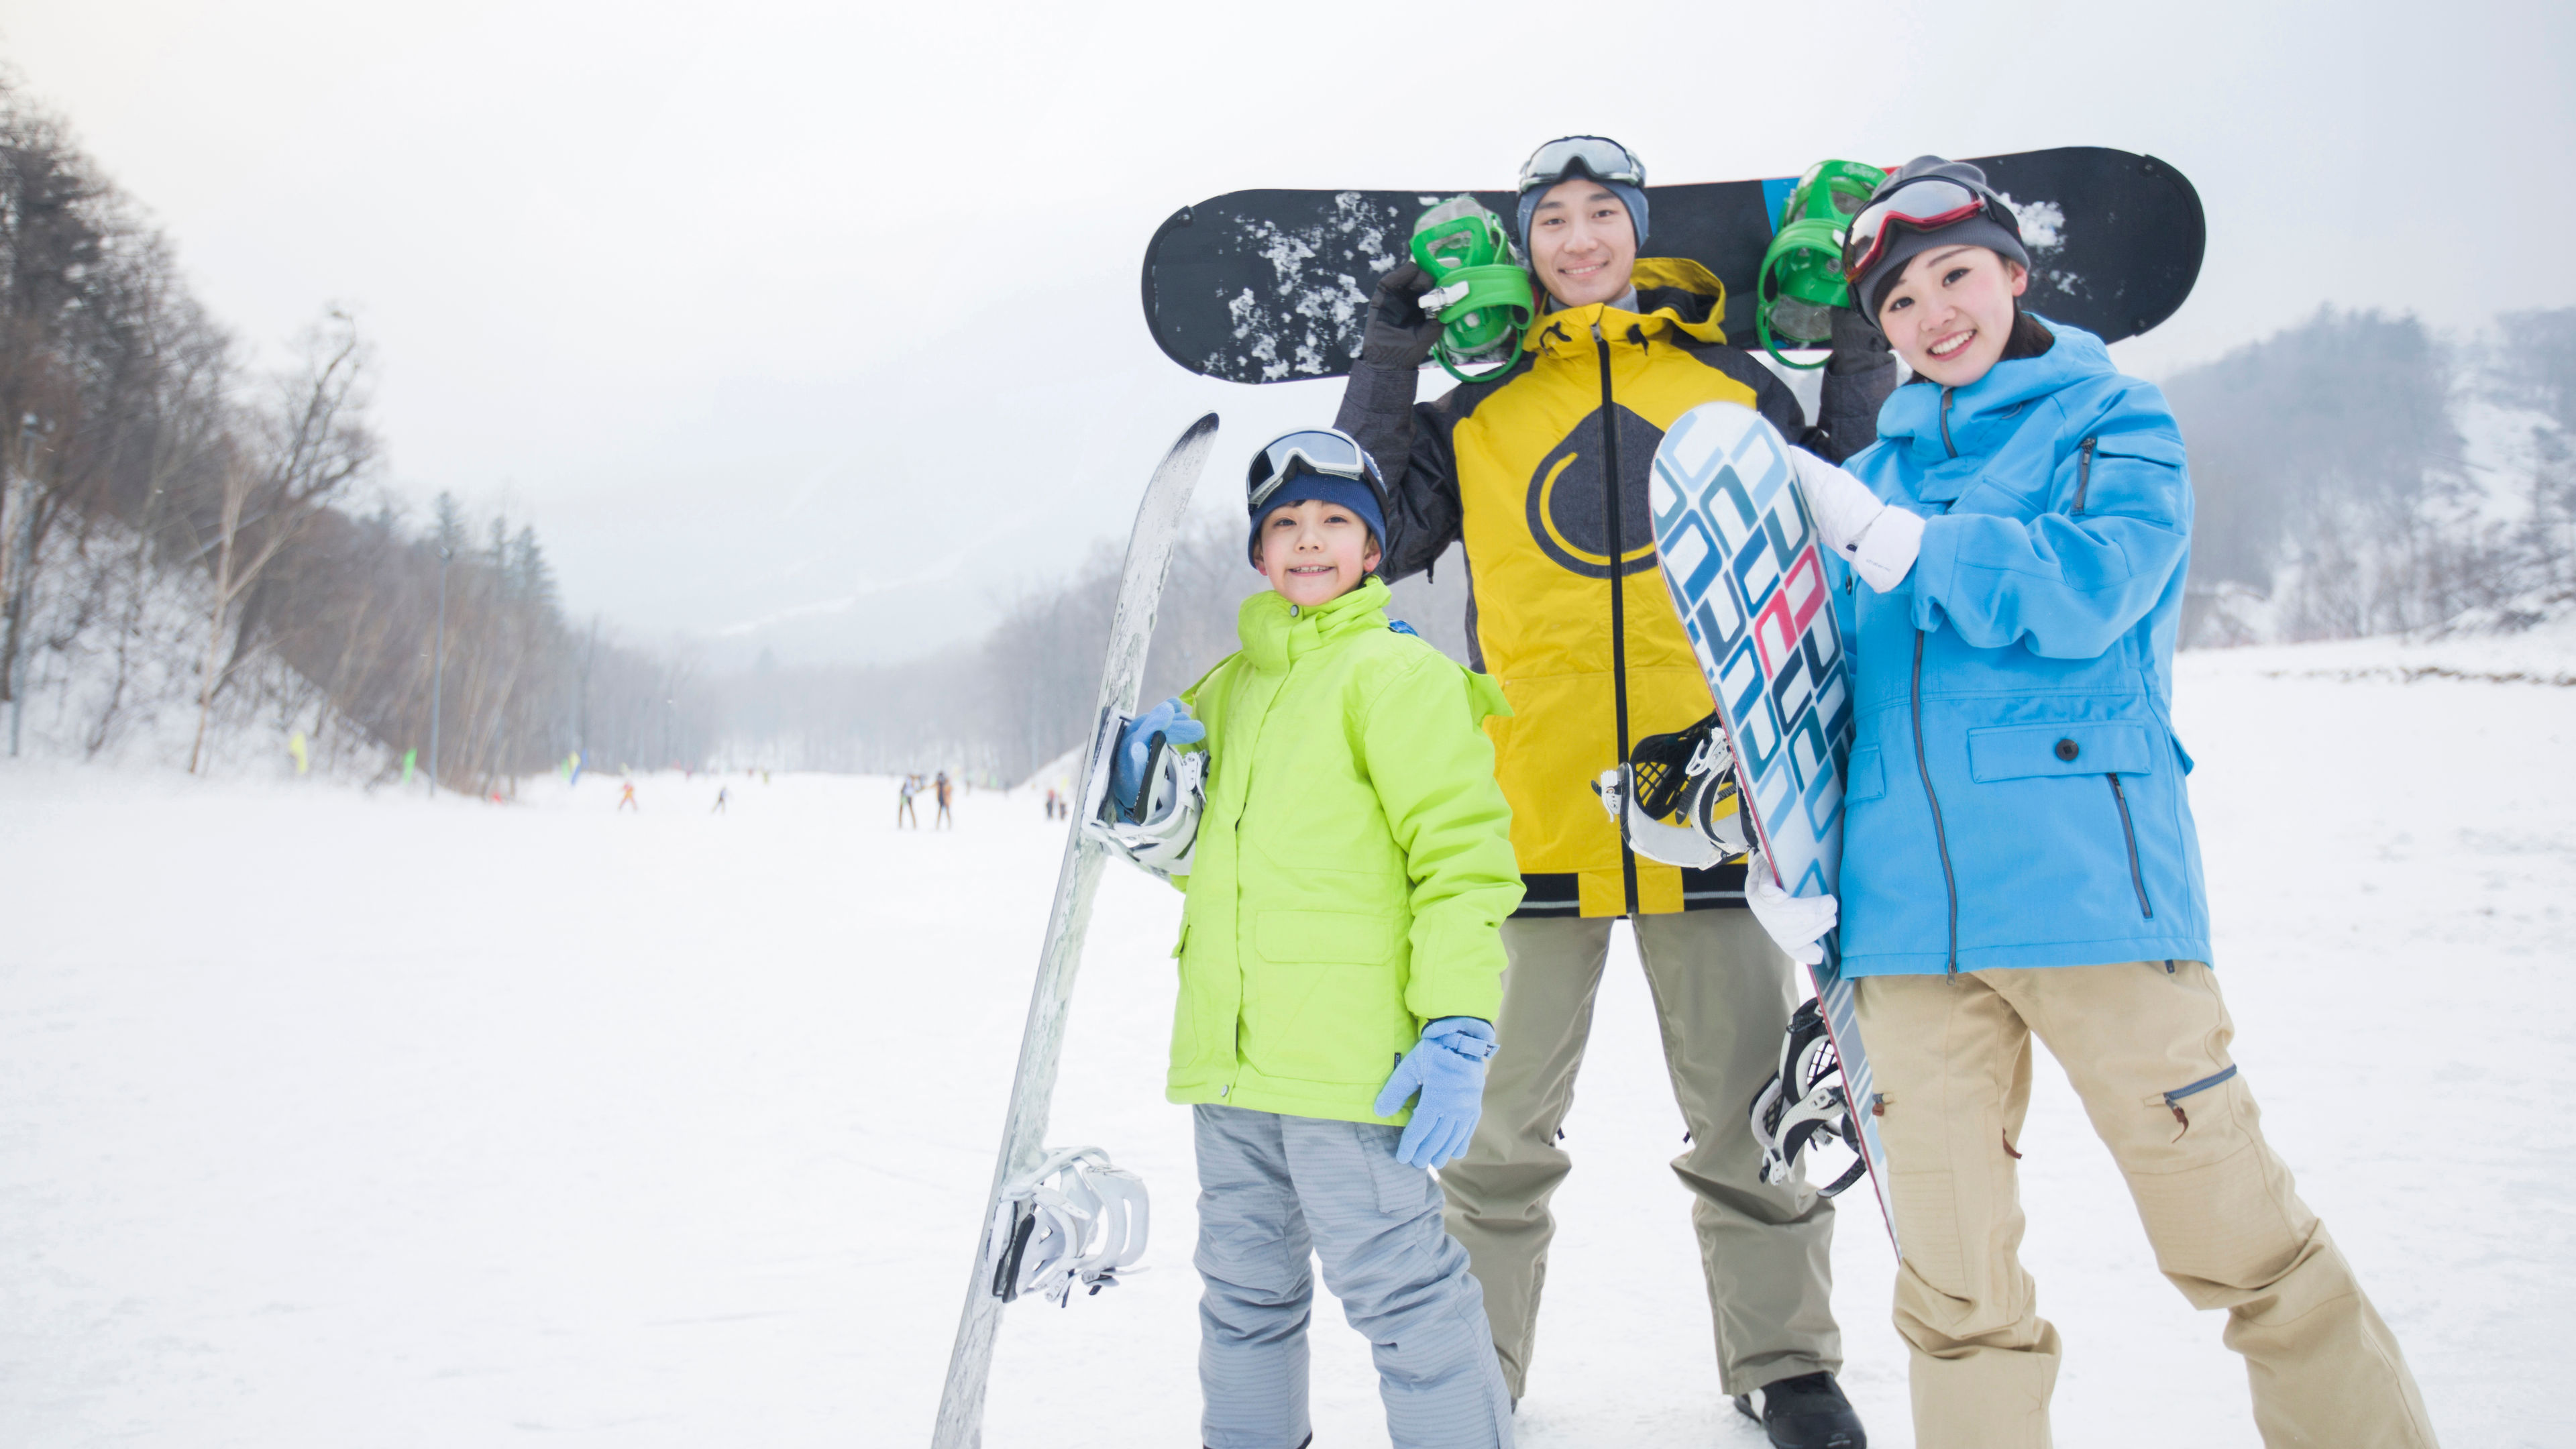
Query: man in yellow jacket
(1542, 474)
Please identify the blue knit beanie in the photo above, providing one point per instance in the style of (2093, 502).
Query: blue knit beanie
(1631, 197)
(1302, 485)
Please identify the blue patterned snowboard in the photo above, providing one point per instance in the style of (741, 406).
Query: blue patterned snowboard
(1742, 559)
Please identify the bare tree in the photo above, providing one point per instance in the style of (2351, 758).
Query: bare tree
(316, 444)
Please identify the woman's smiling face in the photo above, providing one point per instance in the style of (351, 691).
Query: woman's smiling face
(1951, 312)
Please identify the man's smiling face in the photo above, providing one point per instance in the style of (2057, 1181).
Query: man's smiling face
(1582, 243)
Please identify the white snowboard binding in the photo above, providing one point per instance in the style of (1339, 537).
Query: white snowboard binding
(1075, 1221)
(1162, 833)
(1674, 800)
(1804, 1103)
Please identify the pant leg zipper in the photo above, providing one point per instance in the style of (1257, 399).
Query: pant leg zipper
(2129, 835)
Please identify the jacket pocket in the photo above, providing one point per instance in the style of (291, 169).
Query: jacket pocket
(2067, 748)
(1865, 778)
(1341, 938)
(1325, 1003)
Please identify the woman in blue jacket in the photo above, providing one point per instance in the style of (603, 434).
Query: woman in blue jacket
(2019, 858)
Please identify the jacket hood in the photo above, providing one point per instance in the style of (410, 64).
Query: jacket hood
(1673, 294)
(1981, 412)
(1275, 632)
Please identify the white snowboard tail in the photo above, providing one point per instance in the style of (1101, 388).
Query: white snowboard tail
(1131, 631)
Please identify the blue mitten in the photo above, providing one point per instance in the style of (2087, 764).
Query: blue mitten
(1127, 768)
(1448, 1067)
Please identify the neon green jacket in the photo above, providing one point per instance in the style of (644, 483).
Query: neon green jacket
(1354, 861)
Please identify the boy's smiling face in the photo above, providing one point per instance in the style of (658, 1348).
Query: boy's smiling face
(1314, 552)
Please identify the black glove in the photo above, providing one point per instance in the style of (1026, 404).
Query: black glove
(1400, 334)
(1858, 344)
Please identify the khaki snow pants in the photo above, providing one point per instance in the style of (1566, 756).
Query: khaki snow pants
(1723, 994)
(2146, 1047)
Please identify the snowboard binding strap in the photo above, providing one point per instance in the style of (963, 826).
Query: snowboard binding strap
(1161, 833)
(1675, 798)
(1073, 1221)
(1800, 1105)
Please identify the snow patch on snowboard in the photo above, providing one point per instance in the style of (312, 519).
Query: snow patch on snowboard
(1310, 325)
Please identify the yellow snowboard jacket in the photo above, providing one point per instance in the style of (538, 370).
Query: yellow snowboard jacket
(1353, 862)
(1588, 650)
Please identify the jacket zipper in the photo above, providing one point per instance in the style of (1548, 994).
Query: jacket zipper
(2083, 472)
(2129, 834)
(1940, 835)
(1618, 610)
(1923, 766)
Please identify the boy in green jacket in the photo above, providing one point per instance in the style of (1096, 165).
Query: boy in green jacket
(1339, 955)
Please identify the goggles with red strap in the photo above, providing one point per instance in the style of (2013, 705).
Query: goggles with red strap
(1926, 203)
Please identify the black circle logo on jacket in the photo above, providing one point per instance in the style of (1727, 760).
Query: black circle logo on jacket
(1568, 512)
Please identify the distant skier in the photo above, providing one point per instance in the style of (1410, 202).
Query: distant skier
(941, 789)
(903, 811)
(2019, 857)
(722, 794)
(626, 799)
(1345, 884)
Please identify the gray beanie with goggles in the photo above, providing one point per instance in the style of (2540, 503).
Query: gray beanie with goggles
(1993, 227)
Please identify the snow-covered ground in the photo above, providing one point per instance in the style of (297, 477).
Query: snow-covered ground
(334, 1119)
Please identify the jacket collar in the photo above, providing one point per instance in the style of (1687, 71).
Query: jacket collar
(1984, 412)
(1674, 297)
(1275, 632)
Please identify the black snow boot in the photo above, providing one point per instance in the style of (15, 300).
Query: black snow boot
(1805, 1412)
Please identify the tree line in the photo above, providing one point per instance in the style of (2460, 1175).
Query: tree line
(1024, 693)
(2337, 496)
(195, 560)
(2339, 493)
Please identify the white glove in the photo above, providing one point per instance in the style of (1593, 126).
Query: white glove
(1796, 923)
(1878, 539)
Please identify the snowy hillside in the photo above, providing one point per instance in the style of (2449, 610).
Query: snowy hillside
(331, 1118)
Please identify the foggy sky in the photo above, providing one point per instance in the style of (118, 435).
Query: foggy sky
(814, 327)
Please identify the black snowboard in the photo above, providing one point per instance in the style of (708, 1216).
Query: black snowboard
(1272, 286)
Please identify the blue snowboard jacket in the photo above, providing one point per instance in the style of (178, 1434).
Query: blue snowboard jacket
(2016, 791)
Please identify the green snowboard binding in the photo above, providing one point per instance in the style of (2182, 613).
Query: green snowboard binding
(1479, 291)
(1801, 281)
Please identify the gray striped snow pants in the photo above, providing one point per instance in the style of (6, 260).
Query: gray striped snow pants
(1276, 1191)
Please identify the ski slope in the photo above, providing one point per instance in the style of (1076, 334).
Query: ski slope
(330, 1119)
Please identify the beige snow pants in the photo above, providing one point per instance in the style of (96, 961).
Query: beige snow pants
(1952, 1055)
(1723, 993)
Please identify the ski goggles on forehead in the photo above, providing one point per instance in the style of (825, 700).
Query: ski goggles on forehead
(1925, 205)
(1603, 158)
(1333, 453)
